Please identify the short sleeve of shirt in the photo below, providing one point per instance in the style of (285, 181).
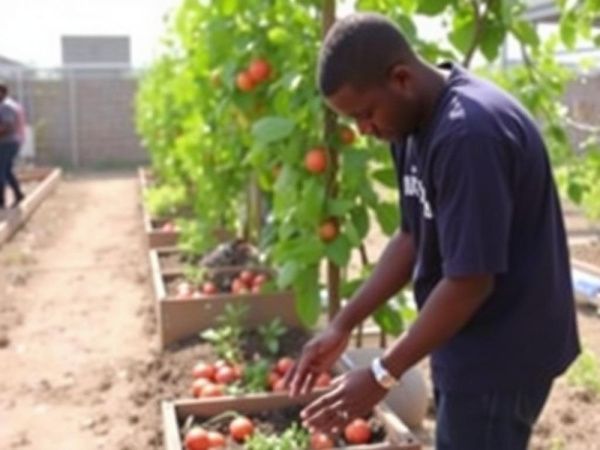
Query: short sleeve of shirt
(473, 205)
(7, 116)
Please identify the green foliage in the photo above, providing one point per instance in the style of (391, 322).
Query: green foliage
(293, 438)
(165, 200)
(270, 334)
(585, 372)
(226, 336)
(209, 141)
(255, 376)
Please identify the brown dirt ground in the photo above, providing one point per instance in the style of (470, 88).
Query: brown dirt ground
(79, 352)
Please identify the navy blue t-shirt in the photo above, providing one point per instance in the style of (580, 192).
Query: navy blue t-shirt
(478, 196)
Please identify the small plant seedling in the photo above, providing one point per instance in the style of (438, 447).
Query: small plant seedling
(271, 334)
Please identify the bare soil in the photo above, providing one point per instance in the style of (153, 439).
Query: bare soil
(79, 352)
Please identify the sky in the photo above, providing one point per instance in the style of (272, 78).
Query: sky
(31, 29)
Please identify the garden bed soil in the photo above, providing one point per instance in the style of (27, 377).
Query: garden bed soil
(275, 412)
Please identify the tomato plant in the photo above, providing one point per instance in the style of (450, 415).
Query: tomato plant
(231, 116)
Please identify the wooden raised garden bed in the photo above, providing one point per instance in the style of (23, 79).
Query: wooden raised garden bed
(272, 413)
(159, 232)
(184, 314)
(46, 180)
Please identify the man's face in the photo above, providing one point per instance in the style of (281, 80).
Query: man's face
(387, 111)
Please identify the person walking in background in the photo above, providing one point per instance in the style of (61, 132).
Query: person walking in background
(12, 133)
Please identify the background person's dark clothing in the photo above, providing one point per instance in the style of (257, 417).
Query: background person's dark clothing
(9, 148)
(8, 154)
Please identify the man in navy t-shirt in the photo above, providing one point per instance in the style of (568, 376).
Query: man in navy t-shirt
(482, 240)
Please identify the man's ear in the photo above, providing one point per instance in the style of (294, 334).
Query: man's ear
(399, 77)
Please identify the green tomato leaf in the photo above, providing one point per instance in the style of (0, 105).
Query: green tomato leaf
(526, 33)
(568, 29)
(308, 301)
(272, 129)
(338, 207)
(288, 273)
(575, 192)
(338, 251)
(463, 33)
(350, 287)
(432, 7)
(388, 217)
(389, 320)
(492, 39)
(386, 176)
(360, 219)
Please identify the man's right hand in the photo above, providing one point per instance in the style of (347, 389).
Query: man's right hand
(318, 356)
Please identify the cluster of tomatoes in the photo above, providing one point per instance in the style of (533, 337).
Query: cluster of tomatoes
(241, 428)
(246, 282)
(199, 438)
(211, 380)
(258, 71)
(276, 377)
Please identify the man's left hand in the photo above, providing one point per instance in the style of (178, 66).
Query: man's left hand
(354, 394)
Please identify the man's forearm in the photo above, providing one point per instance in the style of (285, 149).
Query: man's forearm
(392, 272)
(449, 307)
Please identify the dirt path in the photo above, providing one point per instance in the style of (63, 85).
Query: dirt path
(74, 320)
(79, 360)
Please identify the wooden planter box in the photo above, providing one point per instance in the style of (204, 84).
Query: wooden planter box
(157, 238)
(398, 437)
(182, 318)
(13, 219)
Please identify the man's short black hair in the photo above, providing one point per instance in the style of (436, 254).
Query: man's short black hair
(3, 89)
(359, 50)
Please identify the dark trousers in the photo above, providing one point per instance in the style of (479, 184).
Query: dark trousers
(491, 421)
(8, 153)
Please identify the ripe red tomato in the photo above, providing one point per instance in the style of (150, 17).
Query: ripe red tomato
(197, 439)
(209, 288)
(272, 378)
(244, 82)
(203, 370)
(241, 428)
(315, 160)
(279, 386)
(198, 385)
(357, 432)
(328, 231)
(259, 279)
(247, 277)
(238, 287)
(284, 365)
(212, 390)
(225, 375)
(216, 439)
(259, 70)
(320, 441)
